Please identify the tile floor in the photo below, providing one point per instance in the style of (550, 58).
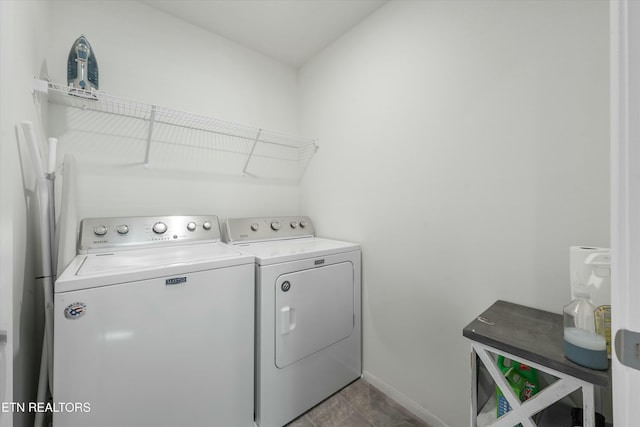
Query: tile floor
(358, 405)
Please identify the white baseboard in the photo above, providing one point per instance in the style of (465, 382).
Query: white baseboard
(403, 400)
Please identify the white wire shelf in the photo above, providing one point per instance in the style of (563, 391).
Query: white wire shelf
(255, 152)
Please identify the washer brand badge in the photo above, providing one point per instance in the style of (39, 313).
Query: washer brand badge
(319, 262)
(175, 281)
(75, 310)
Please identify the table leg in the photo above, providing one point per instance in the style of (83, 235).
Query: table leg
(474, 388)
(588, 406)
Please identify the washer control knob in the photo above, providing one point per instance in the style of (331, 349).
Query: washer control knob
(100, 230)
(191, 226)
(303, 224)
(294, 224)
(122, 229)
(275, 226)
(159, 227)
(255, 226)
(206, 225)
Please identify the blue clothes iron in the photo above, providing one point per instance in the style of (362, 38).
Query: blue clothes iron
(82, 67)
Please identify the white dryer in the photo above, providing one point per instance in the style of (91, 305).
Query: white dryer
(154, 326)
(308, 314)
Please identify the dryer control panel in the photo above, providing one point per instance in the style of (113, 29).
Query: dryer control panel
(244, 230)
(103, 234)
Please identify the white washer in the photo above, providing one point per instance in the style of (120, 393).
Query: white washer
(154, 326)
(308, 314)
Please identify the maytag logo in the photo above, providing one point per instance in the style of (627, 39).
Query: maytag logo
(175, 281)
(75, 310)
(319, 262)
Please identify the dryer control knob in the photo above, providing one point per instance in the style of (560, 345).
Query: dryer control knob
(255, 226)
(303, 224)
(122, 229)
(159, 227)
(100, 230)
(206, 225)
(191, 226)
(294, 224)
(275, 226)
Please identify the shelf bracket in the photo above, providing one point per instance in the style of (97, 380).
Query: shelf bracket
(253, 148)
(152, 119)
(41, 86)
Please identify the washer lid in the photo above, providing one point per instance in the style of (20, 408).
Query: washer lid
(272, 252)
(92, 270)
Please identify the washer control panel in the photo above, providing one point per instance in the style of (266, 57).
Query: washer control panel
(240, 230)
(111, 233)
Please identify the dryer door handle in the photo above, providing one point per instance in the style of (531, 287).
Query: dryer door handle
(287, 319)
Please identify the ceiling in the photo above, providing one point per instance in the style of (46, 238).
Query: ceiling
(291, 31)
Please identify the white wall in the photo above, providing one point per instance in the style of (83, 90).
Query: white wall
(465, 144)
(145, 55)
(24, 27)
